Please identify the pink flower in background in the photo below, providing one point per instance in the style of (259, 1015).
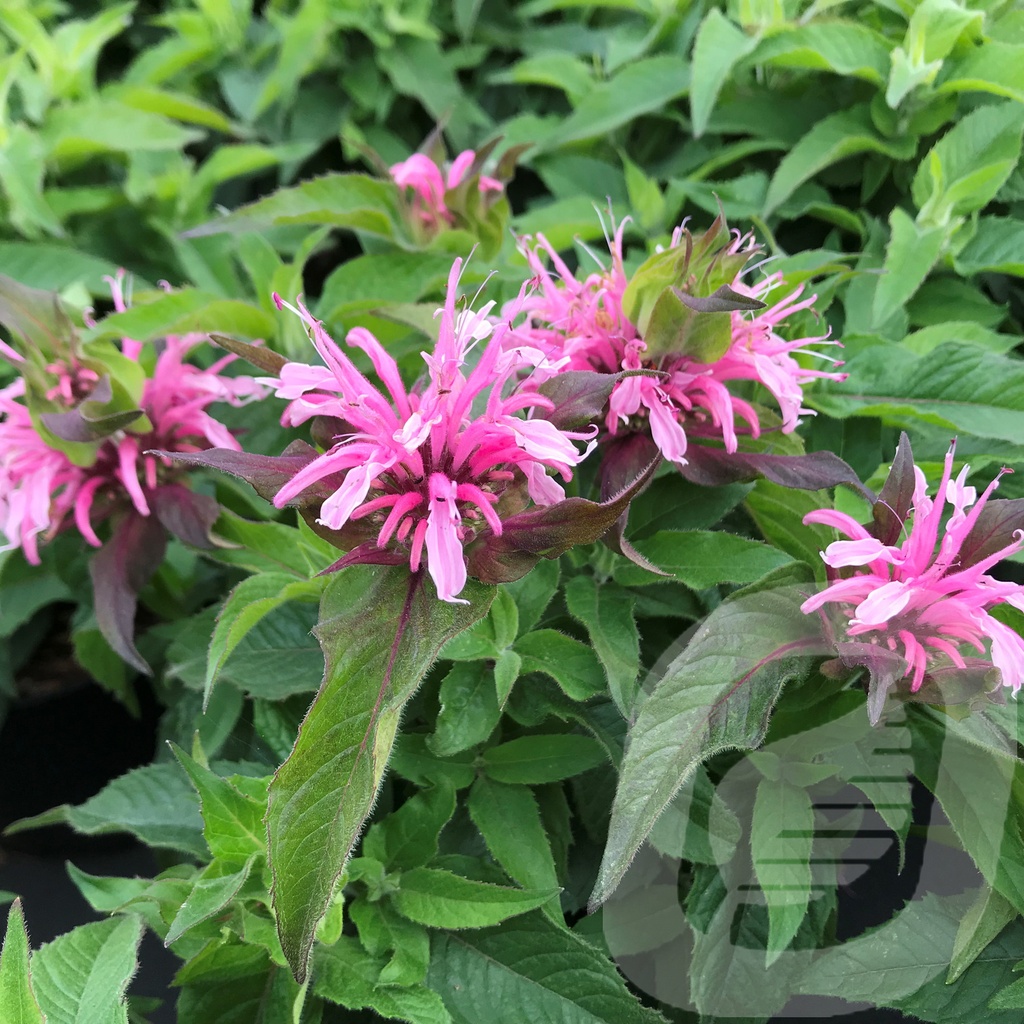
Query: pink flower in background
(40, 485)
(581, 325)
(430, 183)
(427, 468)
(930, 595)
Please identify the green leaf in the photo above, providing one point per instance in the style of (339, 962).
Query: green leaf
(83, 974)
(965, 169)
(214, 889)
(995, 248)
(98, 125)
(380, 630)
(407, 838)
(154, 803)
(951, 761)
(106, 894)
(994, 67)
(469, 709)
(252, 600)
(716, 694)
(911, 253)
(719, 46)
(17, 1001)
(533, 593)
(834, 138)
(354, 201)
(988, 916)
(232, 821)
(440, 899)
(383, 930)
(779, 513)
(346, 974)
(959, 387)
(641, 87)
(186, 311)
(53, 267)
(537, 759)
(781, 836)
(374, 280)
(607, 612)
(843, 47)
(700, 559)
(544, 973)
(571, 664)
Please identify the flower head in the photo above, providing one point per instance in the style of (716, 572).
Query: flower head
(423, 471)
(40, 484)
(584, 325)
(928, 597)
(429, 184)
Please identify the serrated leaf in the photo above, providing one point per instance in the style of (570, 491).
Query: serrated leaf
(834, 138)
(407, 838)
(995, 248)
(18, 1003)
(910, 255)
(607, 612)
(383, 930)
(232, 822)
(781, 836)
(716, 694)
(82, 975)
(571, 664)
(355, 201)
(380, 630)
(346, 974)
(440, 899)
(469, 709)
(988, 916)
(701, 559)
(960, 387)
(539, 758)
(214, 889)
(252, 600)
(510, 822)
(543, 973)
(719, 46)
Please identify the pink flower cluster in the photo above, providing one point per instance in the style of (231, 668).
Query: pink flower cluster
(428, 468)
(429, 184)
(580, 325)
(40, 484)
(925, 598)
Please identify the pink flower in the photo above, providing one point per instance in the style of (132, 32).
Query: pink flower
(581, 325)
(928, 596)
(430, 183)
(40, 485)
(428, 469)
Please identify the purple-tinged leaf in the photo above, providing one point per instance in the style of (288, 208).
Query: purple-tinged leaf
(266, 474)
(896, 497)
(993, 530)
(548, 532)
(91, 420)
(380, 629)
(263, 358)
(713, 467)
(366, 553)
(119, 570)
(185, 514)
(722, 300)
(37, 316)
(885, 668)
(716, 694)
(579, 397)
(622, 460)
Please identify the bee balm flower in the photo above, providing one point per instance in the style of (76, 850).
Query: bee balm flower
(919, 587)
(420, 473)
